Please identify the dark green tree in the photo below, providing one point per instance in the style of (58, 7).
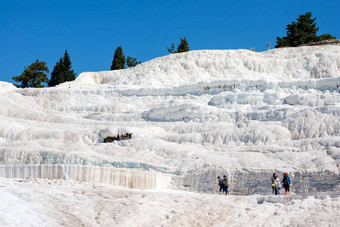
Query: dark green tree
(57, 74)
(131, 62)
(118, 59)
(183, 46)
(33, 75)
(326, 36)
(62, 71)
(69, 74)
(300, 32)
(171, 50)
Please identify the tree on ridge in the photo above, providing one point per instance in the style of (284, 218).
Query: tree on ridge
(62, 71)
(301, 32)
(118, 61)
(183, 46)
(33, 75)
(131, 61)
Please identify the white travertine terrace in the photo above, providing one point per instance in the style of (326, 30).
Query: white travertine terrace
(93, 174)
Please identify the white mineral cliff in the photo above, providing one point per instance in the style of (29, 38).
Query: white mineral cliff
(194, 115)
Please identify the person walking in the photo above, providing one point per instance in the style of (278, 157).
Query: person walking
(277, 183)
(286, 183)
(273, 183)
(225, 184)
(220, 183)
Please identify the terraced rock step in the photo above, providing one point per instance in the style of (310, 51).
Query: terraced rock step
(94, 174)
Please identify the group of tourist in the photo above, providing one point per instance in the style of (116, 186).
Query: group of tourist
(276, 184)
(223, 183)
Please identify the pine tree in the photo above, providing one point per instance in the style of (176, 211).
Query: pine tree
(33, 75)
(131, 62)
(301, 32)
(183, 46)
(62, 71)
(326, 36)
(171, 50)
(118, 59)
(57, 75)
(69, 74)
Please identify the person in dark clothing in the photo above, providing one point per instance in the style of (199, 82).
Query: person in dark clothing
(225, 185)
(220, 184)
(273, 183)
(286, 183)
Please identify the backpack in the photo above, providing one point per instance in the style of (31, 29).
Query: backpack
(225, 183)
(288, 181)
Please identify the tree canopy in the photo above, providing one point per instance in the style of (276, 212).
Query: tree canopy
(69, 74)
(171, 50)
(301, 32)
(62, 71)
(326, 36)
(183, 46)
(118, 61)
(131, 61)
(33, 75)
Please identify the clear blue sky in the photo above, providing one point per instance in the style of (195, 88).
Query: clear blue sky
(91, 30)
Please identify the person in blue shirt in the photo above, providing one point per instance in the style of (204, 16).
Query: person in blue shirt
(286, 183)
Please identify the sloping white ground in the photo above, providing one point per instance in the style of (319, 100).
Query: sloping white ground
(68, 203)
(4, 86)
(197, 115)
(194, 115)
(213, 65)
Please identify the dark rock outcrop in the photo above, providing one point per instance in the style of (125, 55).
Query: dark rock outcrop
(125, 136)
